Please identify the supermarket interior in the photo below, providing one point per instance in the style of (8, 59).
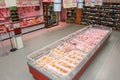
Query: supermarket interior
(59, 39)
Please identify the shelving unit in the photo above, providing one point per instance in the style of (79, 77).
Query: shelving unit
(85, 15)
(71, 15)
(108, 15)
(50, 17)
(29, 18)
(114, 18)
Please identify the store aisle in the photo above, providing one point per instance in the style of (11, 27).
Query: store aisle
(104, 67)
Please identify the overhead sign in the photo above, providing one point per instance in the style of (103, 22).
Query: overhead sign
(98, 2)
(69, 3)
(2, 3)
(88, 2)
(28, 3)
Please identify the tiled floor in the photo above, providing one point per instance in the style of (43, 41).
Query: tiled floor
(104, 67)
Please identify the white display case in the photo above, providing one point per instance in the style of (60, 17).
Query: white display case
(63, 59)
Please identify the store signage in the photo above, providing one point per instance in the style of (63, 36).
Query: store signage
(10, 3)
(69, 3)
(57, 5)
(80, 3)
(24, 3)
(74, 1)
(47, 1)
(2, 3)
(90, 3)
(98, 2)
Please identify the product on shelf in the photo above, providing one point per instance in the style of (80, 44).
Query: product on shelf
(4, 13)
(55, 68)
(31, 21)
(71, 15)
(107, 15)
(44, 60)
(67, 46)
(2, 29)
(58, 52)
(64, 64)
(74, 57)
(78, 53)
(70, 61)
(49, 15)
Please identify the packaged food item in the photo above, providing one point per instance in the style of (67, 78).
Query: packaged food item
(44, 60)
(78, 53)
(58, 52)
(57, 69)
(67, 47)
(65, 64)
(70, 61)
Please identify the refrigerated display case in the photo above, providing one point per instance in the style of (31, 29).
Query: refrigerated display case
(31, 21)
(30, 18)
(67, 58)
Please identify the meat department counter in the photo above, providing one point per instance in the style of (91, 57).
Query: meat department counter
(68, 58)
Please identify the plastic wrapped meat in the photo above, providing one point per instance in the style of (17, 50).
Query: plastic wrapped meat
(44, 60)
(67, 47)
(58, 53)
(84, 47)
